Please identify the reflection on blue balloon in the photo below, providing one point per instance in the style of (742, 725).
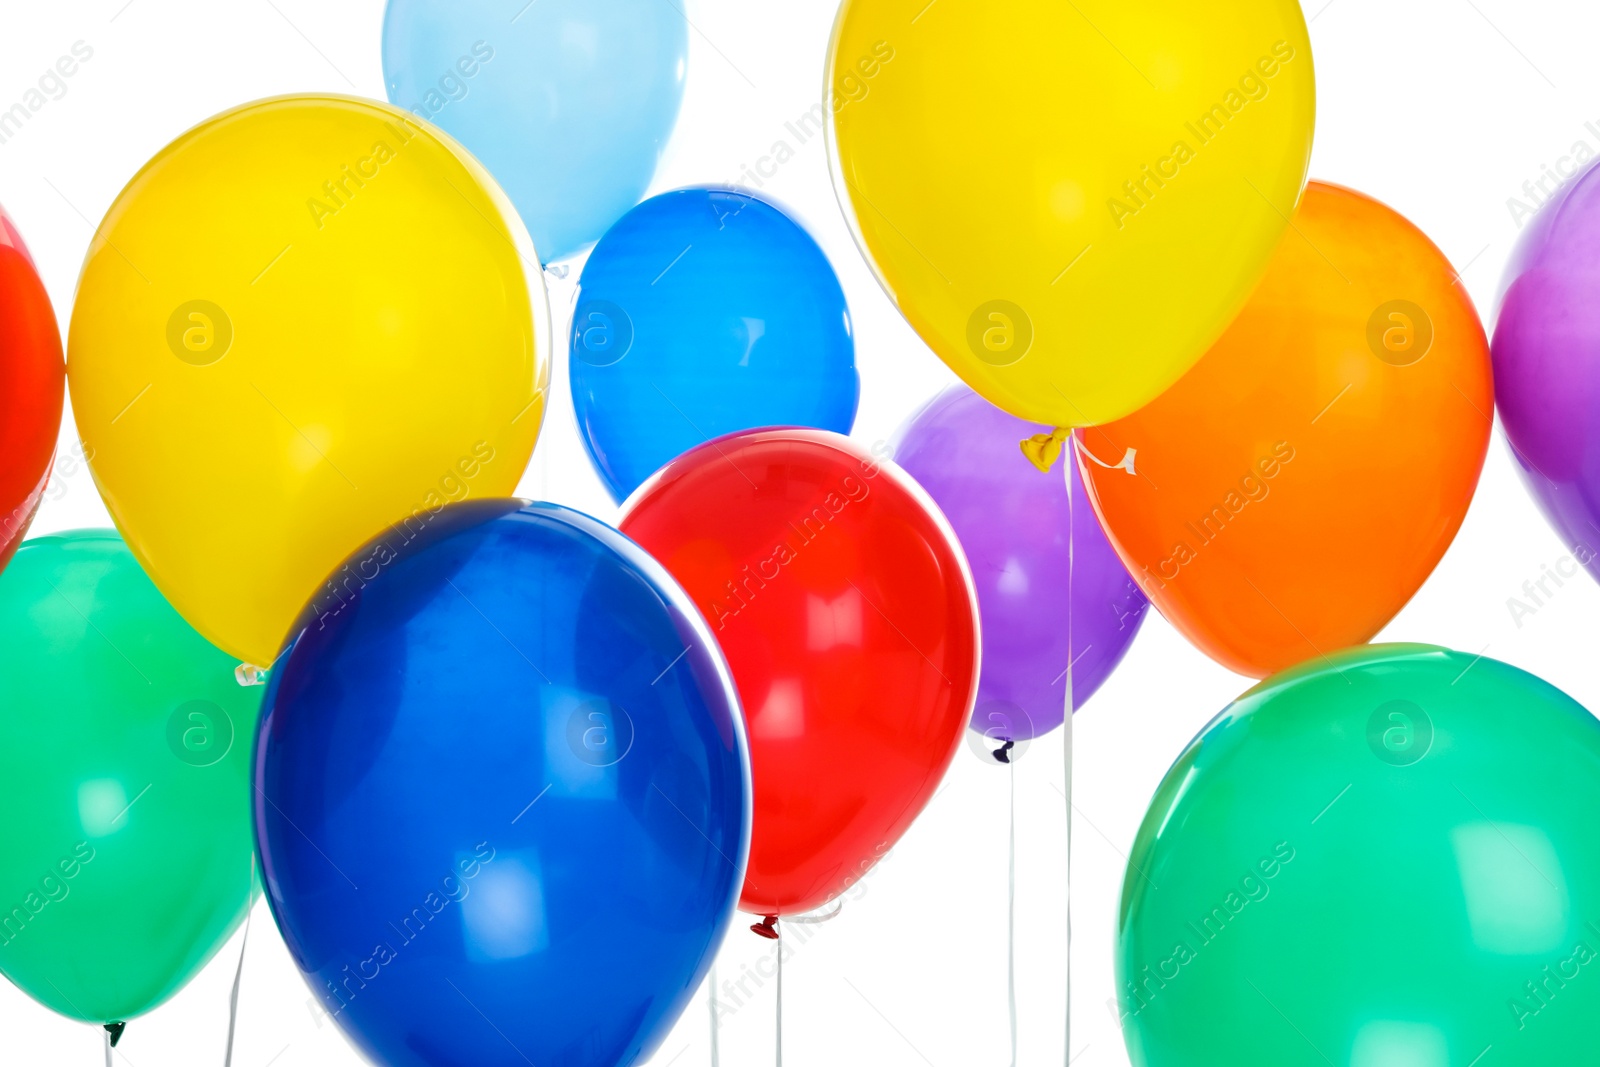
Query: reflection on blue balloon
(569, 103)
(502, 792)
(705, 312)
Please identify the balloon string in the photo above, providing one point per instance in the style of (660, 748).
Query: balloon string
(238, 973)
(1011, 911)
(778, 947)
(1072, 539)
(712, 1001)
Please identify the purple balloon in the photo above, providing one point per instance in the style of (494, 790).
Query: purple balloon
(1547, 362)
(1012, 519)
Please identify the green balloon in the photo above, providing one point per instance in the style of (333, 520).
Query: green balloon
(125, 842)
(1387, 858)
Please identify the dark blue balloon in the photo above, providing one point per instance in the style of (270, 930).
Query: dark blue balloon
(502, 792)
(704, 312)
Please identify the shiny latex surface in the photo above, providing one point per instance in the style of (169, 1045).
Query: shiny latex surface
(1547, 366)
(848, 616)
(1387, 858)
(1051, 590)
(305, 319)
(1069, 202)
(503, 794)
(705, 312)
(32, 383)
(1302, 481)
(125, 852)
(569, 103)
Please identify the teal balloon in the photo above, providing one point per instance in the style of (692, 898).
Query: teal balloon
(569, 103)
(125, 848)
(1385, 858)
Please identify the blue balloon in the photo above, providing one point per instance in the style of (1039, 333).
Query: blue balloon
(705, 312)
(569, 103)
(502, 792)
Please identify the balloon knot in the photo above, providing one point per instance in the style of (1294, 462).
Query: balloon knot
(114, 1030)
(1043, 449)
(1003, 753)
(767, 928)
(248, 674)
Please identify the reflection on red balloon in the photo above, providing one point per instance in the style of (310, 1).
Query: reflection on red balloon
(844, 606)
(31, 383)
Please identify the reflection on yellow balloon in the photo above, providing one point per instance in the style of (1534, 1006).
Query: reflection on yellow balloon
(1069, 201)
(304, 320)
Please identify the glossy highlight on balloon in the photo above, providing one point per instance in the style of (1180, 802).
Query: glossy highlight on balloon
(305, 319)
(1297, 486)
(569, 103)
(844, 605)
(1386, 857)
(32, 384)
(1069, 202)
(705, 312)
(1547, 364)
(125, 851)
(503, 794)
(1051, 590)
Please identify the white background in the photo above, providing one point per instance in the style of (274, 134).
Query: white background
(1441, 108)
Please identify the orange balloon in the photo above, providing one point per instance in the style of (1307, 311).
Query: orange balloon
(1294, 489)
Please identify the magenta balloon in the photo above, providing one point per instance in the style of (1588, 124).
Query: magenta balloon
(1013, 520)
(1547, 362)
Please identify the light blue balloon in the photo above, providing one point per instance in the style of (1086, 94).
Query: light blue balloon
(704, 312)
(569, 103)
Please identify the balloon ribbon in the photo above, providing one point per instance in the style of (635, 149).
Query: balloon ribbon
(1043, 449)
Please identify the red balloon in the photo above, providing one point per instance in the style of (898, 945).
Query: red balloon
(32, 378)
(844, 606)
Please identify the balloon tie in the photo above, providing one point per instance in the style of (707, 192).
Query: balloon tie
(767, 928)
(1043, 449)
(113, 1035)
(1003, 753)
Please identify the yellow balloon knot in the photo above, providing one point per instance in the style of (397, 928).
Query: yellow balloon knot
(1043, 449)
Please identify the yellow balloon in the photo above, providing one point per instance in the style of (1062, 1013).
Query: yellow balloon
(1069, 199)
(304, 320)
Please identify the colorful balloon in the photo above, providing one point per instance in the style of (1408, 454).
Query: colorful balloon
(31, 386)
(847, 613)
(1385, 858)
(1547, 365)
(705, 312)
(503, 793)
(125, 852)
(1295, 489)
(305, 319)
(569, 103)
(1051, 590)
(1069, 202)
